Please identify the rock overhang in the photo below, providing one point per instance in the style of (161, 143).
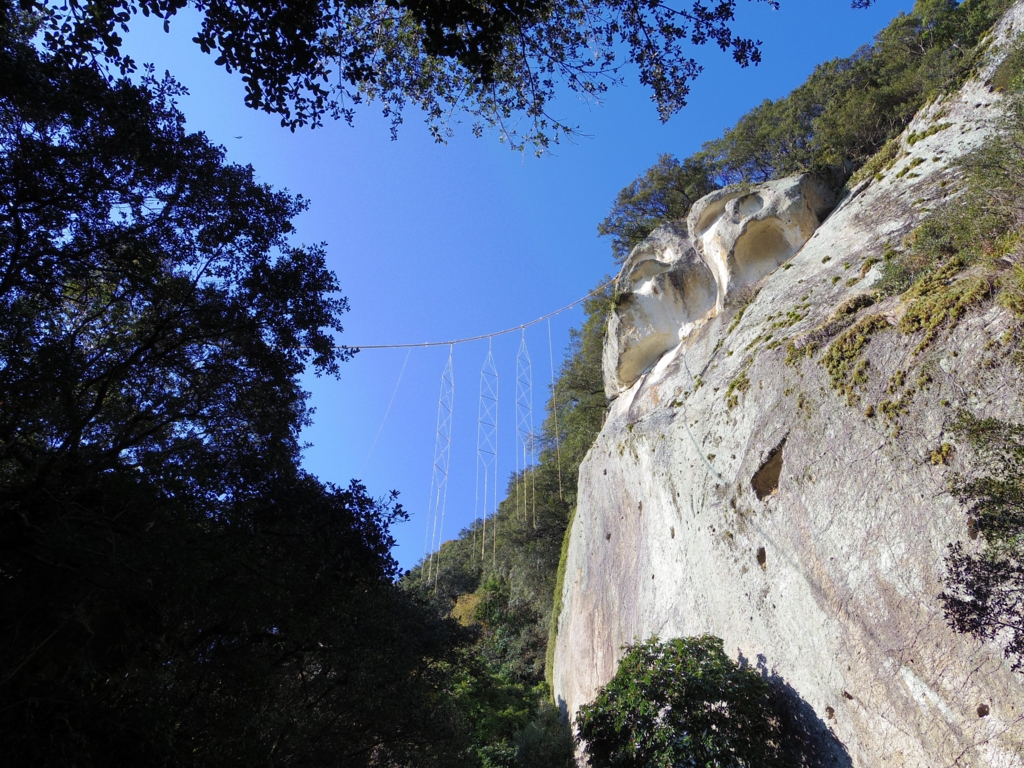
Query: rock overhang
(683, 274)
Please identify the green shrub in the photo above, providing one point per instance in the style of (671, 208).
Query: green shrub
(984, 593)
(682, 702)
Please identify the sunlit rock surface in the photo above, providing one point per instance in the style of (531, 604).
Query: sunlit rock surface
(745, 234)
(665, 291)
(735, 493)
(672, 282)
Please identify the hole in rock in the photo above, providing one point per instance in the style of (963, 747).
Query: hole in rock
(830, 713)
(607, 537)
(673, 532)
(762, 557)
(766, 480)
(748, 205)
(711, 215)
(983, 710)
(760, 250)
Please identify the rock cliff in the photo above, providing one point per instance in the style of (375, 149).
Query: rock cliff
(739, 489)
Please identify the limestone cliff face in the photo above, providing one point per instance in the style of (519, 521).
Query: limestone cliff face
(733, 493)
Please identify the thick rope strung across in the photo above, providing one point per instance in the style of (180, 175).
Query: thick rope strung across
(356, 348)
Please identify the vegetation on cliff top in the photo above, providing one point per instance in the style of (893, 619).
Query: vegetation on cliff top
(845, 112)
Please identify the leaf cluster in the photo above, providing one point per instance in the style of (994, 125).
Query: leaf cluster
(174, 589)
(682, 702)
(984, 593)
(501, 63)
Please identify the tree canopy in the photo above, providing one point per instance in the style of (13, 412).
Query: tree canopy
(501, 63)
(682, 702)
(176, 590)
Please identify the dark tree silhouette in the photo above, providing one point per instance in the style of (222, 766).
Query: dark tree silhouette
(175, 589)
(499, 62)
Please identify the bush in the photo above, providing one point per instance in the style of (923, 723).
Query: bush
(984, 593)
(683, 702)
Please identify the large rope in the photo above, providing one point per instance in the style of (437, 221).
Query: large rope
(356, 347)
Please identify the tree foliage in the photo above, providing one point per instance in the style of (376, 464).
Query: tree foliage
(985, 589)
(682, 702)
(664, 192)
(831, 125)
(502, 63)
(175, 589)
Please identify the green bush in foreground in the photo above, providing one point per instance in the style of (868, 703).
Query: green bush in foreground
(680, 703)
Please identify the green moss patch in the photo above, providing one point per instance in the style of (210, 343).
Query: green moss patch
(843, 359)
(736, 387)
(939, 300)
(841, 318)
(915, 137)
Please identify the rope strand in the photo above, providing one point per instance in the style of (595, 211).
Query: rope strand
(513, 329)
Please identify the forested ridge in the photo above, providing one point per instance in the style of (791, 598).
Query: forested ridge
(176, 589)
(842, 116)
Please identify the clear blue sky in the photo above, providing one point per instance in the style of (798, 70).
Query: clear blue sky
(434, 242)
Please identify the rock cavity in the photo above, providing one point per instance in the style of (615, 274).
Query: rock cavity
(665, 292)
(683, 274)
(745, 234)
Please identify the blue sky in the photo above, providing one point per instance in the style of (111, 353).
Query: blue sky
(433, 242)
